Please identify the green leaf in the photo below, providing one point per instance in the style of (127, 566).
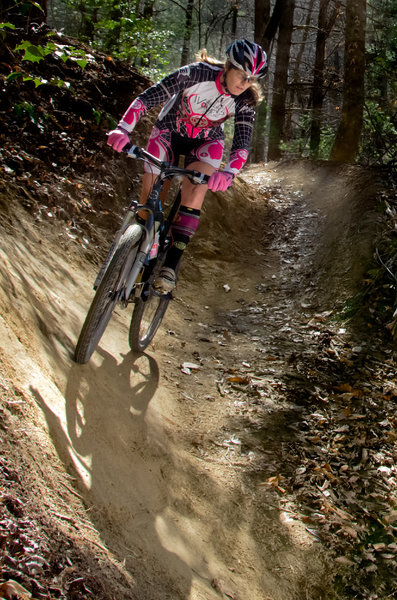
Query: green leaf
(9, 25)
(14, 75)
(37, 5)
(97, 116)
(37, 81)
(81, 62)
(31, 52)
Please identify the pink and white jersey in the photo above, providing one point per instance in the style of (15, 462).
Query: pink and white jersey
(196, 107)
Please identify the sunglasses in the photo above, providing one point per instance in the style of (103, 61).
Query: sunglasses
(245, 78)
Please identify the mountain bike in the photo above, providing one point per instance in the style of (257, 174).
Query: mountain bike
(133, 262)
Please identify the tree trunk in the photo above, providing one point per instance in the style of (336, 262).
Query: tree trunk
(262, 17)
(258, 146)
(188, 33)
(347, 138)
(324, 28)
(273, 24)
(278, 110)
(296, 88)
(234, 18)
(318, 80)
(148, 9)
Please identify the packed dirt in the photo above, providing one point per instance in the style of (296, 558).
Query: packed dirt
(250, 453)
(188, 472)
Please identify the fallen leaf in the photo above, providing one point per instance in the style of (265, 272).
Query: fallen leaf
(188, 367)
(343, 560)
(10, 589)
(238, 379)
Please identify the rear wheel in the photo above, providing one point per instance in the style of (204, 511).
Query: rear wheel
(107, 294)
(148, 313)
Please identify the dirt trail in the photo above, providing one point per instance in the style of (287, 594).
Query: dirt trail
(176, 468)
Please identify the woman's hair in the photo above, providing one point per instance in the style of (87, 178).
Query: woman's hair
(252, 94)
(202, 56)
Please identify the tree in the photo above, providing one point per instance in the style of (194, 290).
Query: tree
(278, 110)
(347, 138)
(274, 22)
(261, 19)
(324, 28)
(379, 140)
(188, 32)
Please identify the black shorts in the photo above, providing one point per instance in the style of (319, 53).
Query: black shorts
(169, 146)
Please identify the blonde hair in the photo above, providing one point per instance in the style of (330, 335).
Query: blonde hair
(202, 56)
(252, 94)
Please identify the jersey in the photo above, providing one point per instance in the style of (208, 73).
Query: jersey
(196, 107)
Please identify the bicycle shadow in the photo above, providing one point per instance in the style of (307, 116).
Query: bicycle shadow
(110, 444)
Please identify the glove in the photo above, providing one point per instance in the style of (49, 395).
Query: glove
(118, 138)
(220, 181)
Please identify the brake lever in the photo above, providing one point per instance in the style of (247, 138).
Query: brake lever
(199, 178)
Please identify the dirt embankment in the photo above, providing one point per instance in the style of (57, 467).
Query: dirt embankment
(239, 479)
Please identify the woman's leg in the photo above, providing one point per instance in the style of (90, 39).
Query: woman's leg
(183, 227)
(187, 219)
(159, 144)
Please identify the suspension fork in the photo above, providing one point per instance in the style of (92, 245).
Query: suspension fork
(127, 221)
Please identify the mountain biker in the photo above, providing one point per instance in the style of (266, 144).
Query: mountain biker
(198, 98)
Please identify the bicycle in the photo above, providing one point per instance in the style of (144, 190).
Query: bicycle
(133, 263)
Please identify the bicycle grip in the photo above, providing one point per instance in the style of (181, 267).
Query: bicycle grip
(197, 177)
(132, 150)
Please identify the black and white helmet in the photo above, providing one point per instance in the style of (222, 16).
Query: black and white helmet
(249, 57)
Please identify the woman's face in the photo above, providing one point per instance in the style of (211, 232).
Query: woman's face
(237, 81)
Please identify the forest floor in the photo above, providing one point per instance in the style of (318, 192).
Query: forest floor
(250, 453)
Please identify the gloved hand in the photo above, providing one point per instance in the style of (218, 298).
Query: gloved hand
(118, 138)
(220, 181)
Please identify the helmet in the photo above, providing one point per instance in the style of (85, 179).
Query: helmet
(248, 56)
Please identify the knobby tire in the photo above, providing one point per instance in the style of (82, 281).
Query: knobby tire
(107, 294)
(147, 316)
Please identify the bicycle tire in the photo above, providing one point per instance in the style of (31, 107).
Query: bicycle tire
(146, 318)
(107, 294)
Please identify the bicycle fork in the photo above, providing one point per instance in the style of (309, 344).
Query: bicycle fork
(128, 220)
(140, 261)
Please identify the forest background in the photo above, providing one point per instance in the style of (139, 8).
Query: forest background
(331, 91)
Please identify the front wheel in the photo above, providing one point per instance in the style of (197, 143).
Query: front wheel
(148, 313)
(107, 294)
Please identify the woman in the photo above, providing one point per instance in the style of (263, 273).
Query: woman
(198, 99)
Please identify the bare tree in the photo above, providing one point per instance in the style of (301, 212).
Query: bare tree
(188, 32)
(296, 79)
(234, 9)
(325, 25)
(278, 110)
(274, 22)
(349, 131)
(262, 17)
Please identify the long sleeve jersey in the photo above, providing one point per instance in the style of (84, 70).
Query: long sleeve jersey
(195, 106)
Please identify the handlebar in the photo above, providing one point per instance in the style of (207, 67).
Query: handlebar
(168, 169)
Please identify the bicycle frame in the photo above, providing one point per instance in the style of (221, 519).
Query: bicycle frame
(153, 205)
(154, 211)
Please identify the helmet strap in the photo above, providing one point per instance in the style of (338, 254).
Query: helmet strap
(223, 82)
